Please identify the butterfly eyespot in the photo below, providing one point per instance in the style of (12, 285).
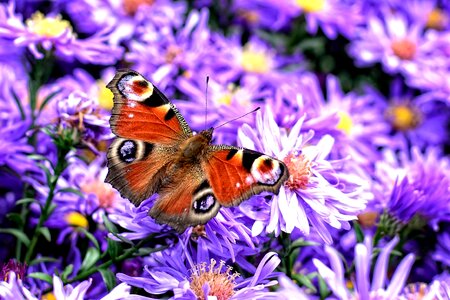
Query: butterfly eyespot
(204, 204)
(127, 151)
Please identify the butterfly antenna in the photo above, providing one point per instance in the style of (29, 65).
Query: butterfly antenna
(250, 112)
(206, 101)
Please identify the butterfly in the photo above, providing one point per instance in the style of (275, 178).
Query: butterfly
(155, 151)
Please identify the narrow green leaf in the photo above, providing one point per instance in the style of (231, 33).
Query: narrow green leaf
(18, 234)
(304, 281)
(109, 278)
(18, 103)
(91, 258)
(72, 191)
(323, 288)
(90, 236)
(67, 271)
(122, 238)
(42, 259)
(358, 232)
(42, 276)
(113, 248)
(16, 218)
(25, 201)
(109, 225)
(47, 99)
(46, 233)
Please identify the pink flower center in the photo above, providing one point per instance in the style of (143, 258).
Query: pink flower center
(221, 285)
(404, 49)
(299, 170)
(132, 6)
(105, 194)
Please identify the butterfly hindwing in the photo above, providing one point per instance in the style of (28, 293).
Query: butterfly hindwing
(185, 199)
(142, 112)
(236, 174)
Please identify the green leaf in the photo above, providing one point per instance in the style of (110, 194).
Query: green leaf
(46, 233)
(302, 243)
(358, 232)
(43, 259)
(67, 271)
(72, 191)
(90, 236)
(122, 238)
(18, 234)
(18, 103)
(109, 278)
(25, 201)
(47, 99)
(143, 251)
(113, 249)
(42, 276)
(323, 288)
(91, 258)
(16, 218)
(109, 225)
(304, 281)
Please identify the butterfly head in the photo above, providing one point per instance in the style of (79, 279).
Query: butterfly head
(207, 134)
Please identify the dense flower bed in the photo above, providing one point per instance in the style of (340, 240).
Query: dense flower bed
(354, 98)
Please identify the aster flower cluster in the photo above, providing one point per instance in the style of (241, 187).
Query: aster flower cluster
(354, 98)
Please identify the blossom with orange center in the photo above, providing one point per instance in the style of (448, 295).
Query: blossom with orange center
(404, 48)
(132, 6)
(105, 193)
(299, 170)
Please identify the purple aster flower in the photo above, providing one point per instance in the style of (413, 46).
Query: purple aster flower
(52, 33)
(82, 113)
(14, 289)
(13, 266)
(290, 290)
(170, 272)
(223, 237)
(416, 120)
(377, 289)
(315, 194)
(414, 184)
(398, 43)
(442, 252)
(125, 16)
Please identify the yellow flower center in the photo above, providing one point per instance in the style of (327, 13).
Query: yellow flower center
(132, 6)
(368, 219)
(437, 19)
(310, 6)
(403, 117)
(255, 61)
(76, 219)
(49, 296)
(47, 26)
(221, 285)
(105, 96)
(227, 97)
(404, 49)
(299, 170)
(345, 122)
(251, 17)
(104, 192)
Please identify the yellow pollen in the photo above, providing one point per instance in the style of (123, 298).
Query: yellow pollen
(310, 6)
(221, 285)
(404, 49)
(349, 284)
(299, 171)
(104, 192)
(437, 19)
(132, 6)
(415, 291)
(403, 117)
(255, 61)
(48, 296)
(47, 26)
(105, 96)
(345, 122)
(77, 219)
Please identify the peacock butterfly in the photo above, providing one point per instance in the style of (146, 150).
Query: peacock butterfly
(156, 152)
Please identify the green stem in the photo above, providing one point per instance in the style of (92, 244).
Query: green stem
(45, 213)
(127, 254)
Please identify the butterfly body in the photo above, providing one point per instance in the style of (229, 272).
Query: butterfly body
(156, 152)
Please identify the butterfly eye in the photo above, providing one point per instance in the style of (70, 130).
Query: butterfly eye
(204, 204)
(127, 151)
